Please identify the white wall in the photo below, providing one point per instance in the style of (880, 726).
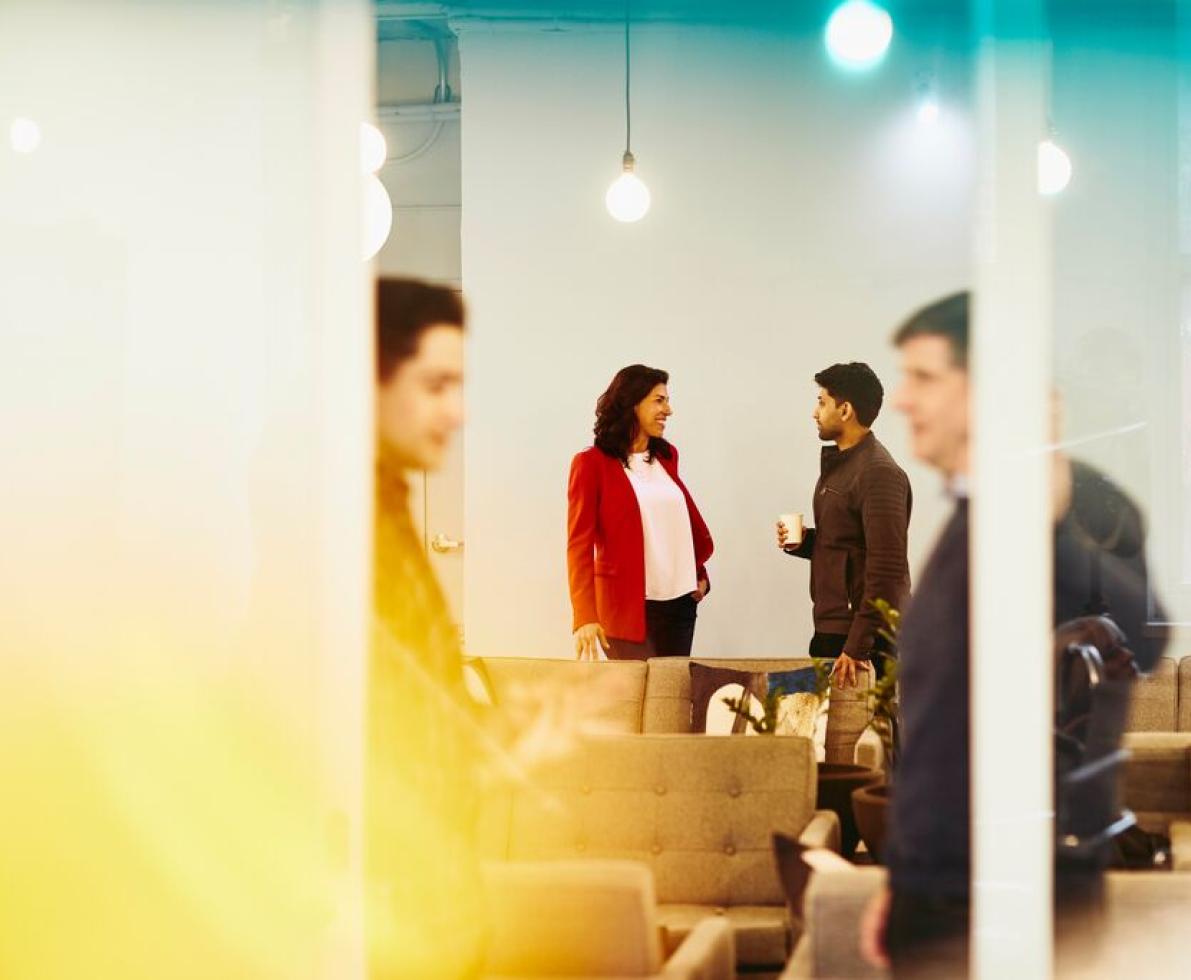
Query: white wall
(798, 215)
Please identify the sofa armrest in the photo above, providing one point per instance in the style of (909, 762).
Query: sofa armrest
(834, 905)
(602, 919)
(822, 831)
(707, 953)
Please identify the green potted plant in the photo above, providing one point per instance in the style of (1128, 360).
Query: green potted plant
(870, 803)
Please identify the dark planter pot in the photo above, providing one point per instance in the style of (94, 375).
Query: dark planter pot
(870, 805)
(837, 782)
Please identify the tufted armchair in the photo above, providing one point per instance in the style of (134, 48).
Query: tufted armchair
(697, 810)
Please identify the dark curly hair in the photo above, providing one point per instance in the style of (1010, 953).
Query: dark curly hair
(616, 417)
(855, 383)
(405, 309)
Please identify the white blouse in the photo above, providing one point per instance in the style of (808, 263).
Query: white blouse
(666, 524)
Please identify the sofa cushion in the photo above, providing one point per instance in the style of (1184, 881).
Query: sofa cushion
(607, 695)
(697, 809)
(1155, 701)
(668, 687)
(1157, 775)
(762, 932)
(1184, 697)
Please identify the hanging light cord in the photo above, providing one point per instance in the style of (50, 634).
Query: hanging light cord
(628, 111)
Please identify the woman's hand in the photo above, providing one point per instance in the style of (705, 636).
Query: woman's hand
(589, 638)
(701, 590)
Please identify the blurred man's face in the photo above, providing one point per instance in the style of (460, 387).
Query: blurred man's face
(421, 404)
(827, 417)
(933, 394)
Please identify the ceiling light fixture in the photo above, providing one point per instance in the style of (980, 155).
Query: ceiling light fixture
(628, 198)
(858, 34)
(24, 135)
(378, 208)
(926, 92)
(1054, 167)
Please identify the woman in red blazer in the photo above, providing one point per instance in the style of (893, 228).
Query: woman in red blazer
(636, 543)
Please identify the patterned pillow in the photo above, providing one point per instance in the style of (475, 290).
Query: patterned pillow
(799, 681)
(806, 715)
(722, 720)
(705, 686)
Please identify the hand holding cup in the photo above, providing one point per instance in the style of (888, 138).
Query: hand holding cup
(789, 530)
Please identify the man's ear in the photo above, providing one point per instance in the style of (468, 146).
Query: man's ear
(846, 411)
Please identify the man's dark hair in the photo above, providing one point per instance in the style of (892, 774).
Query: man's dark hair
(946, 318)
(855, 383)
(616, 418)
(405, 309)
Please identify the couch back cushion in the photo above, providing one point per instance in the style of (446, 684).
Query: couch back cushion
(607, 694)
(1156, 699)
(699, 810)
(668, 688)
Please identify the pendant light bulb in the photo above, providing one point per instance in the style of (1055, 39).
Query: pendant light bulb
(373, 151)
(627, 198)
(858, 35)
(1054, 168)
(377, 216)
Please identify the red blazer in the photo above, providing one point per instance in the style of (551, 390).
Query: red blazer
(606, 546)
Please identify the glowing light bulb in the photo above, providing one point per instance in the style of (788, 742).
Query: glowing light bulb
(373, 151)
(378, 216)
(628, 198)
(858, 34)
(1054, 168)
(25, 135)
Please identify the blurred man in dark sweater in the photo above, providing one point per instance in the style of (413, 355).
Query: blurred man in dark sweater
(920, 923)
(857, 548)
(424, 913)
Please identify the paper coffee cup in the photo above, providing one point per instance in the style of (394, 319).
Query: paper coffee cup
(793, 526)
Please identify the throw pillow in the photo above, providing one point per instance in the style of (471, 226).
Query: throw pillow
(705, 685)
(795, 865)
(799, 681)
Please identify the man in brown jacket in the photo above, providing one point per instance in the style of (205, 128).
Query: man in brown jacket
(857, 547)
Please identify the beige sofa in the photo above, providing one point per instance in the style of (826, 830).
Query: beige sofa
(697, 810)
(1162, 699)
(1156, 782)
(654, 696)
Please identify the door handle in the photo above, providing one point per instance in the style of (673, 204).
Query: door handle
(442, 545)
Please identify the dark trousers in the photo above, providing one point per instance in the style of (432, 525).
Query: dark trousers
(669, 631)
(927, 937)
